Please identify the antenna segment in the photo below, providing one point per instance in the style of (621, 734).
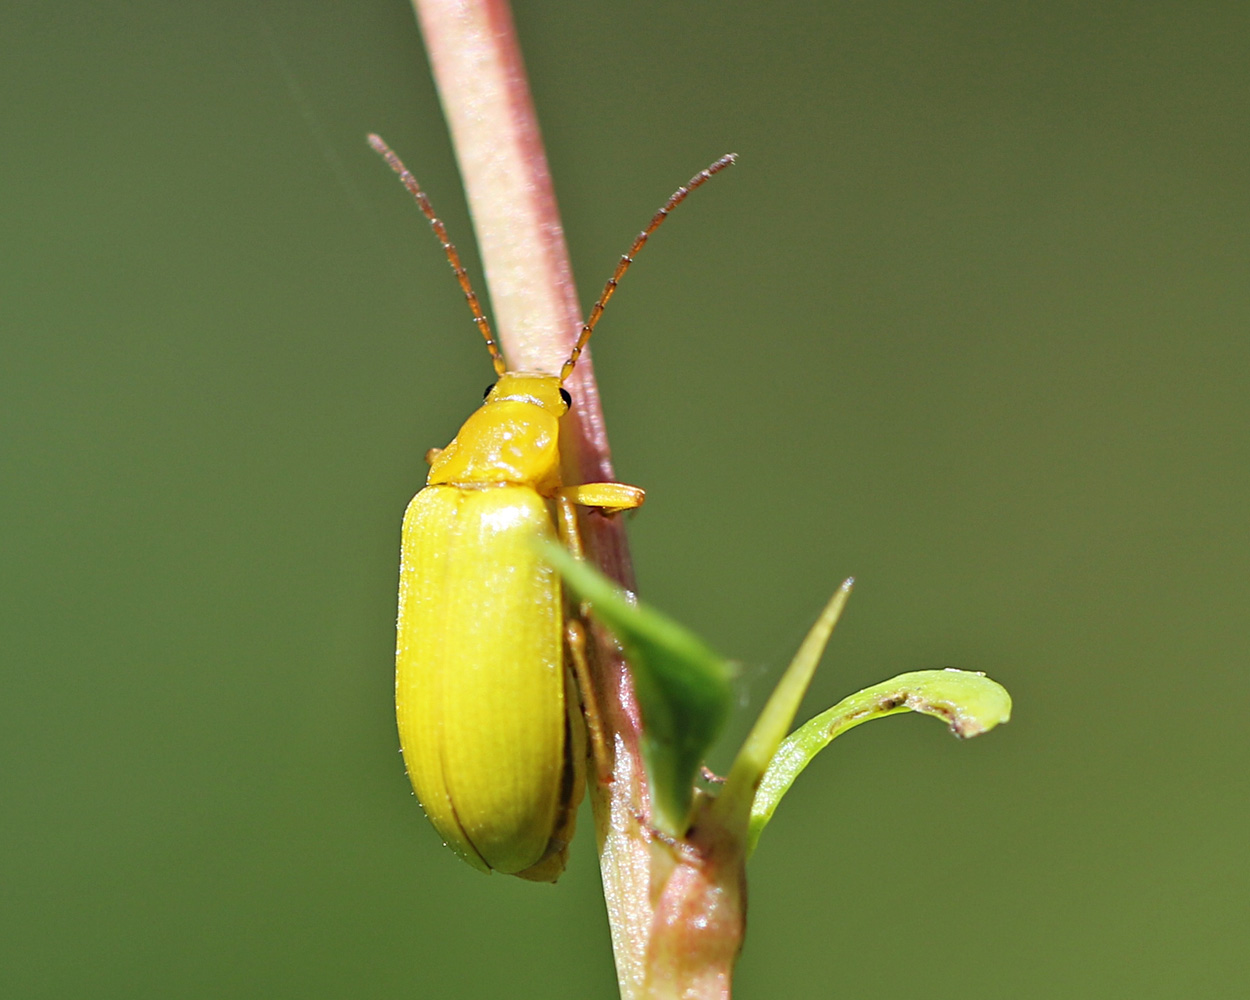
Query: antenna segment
(410, 182)
(698, 180)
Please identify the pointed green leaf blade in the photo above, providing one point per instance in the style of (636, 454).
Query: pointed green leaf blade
(970, 703)
(733, 805)
(684, 688)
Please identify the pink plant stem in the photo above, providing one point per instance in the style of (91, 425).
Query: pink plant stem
(481, 81)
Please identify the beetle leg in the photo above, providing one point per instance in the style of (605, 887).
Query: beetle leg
(570, 536)
(566, 525)
(575, 637)
(610, 497)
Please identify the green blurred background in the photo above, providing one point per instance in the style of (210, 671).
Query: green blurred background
(968, 321)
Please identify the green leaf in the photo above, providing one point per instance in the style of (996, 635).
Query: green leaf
(733, 805)
(970, 703)
(684, 688)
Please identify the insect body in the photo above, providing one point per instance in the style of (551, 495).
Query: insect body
(487, 709)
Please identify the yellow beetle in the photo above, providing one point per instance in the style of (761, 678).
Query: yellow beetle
(488, 714)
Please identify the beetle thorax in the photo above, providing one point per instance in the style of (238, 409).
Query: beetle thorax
(513, 438)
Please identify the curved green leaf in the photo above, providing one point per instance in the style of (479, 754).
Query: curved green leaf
(970, 703)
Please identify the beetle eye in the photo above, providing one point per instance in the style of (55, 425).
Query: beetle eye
(564, 394)
(488, 389)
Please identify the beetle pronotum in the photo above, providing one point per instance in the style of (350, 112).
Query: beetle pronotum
(488, 717)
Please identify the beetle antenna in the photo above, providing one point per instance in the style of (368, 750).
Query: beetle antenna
(449, 248)
(698, 180)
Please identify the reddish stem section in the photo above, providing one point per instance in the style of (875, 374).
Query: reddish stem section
(481, 80)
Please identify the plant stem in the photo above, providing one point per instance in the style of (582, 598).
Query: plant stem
(481, 80)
